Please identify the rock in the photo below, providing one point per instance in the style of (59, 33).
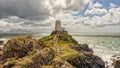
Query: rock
(26, 52)
(1, 42)
(19, 47)
(8, 65)
(87, 61)
(82, 48)
(60, 64)
(1, 53)
(117, 64)
(41, 58)
(64, 36)
(78, 55)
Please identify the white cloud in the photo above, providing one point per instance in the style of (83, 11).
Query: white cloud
(95, 8)
(112, 5)
(111, 18)
(96, 5)
(58, 6)
(96, 11)
(50, 10)
(3, 24)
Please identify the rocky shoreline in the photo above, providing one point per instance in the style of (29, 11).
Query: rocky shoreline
(27, 52)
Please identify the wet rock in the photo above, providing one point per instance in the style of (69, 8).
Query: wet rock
(117, 64)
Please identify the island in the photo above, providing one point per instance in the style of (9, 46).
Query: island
(58, 50)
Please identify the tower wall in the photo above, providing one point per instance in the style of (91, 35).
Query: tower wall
(58, 26)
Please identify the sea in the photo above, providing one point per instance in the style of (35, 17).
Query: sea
(105, 47)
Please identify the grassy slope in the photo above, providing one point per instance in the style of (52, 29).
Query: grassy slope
(67, 52)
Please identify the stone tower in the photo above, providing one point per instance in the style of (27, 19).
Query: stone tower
(58, 26)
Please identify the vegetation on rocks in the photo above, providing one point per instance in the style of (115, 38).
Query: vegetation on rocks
(26, 52)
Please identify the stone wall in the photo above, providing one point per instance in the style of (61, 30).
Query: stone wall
(58, 26)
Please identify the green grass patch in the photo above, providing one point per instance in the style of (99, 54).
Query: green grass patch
(47, 67)
(31, 52)
(69, 54)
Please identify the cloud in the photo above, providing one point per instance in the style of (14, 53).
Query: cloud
(14, 23)
(95, 8)
(112, 5)
(40, 15)
(96, 5)
(96, 11)
(58, 6)
(111, 18)
(38, 9)
(35, 14)
(29, 9)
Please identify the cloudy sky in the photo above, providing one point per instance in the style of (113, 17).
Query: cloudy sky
(77, 16)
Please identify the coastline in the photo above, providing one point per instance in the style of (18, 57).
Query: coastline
(97, 50)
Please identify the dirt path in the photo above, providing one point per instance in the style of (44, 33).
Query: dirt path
(55, 39)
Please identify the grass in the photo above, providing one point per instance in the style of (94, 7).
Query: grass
(67, 52)
(47, 40)
(47, 67)
(67, 36)
(12, 63)
(31, 52)
(23, 66)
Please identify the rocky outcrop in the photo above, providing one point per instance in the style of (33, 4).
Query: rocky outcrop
(82, 48)
(60, 64)
(64, 36)
(26, 52)
(41, 58)
(117, 64)
(85, 57)
(87, 61)
(19, 47)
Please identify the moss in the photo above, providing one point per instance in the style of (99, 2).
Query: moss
(31, 52)
(23, 65)
(47, 40)
(68, 38)
(69, 54)
(14, 62)
(47, 67)
(64, 38)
